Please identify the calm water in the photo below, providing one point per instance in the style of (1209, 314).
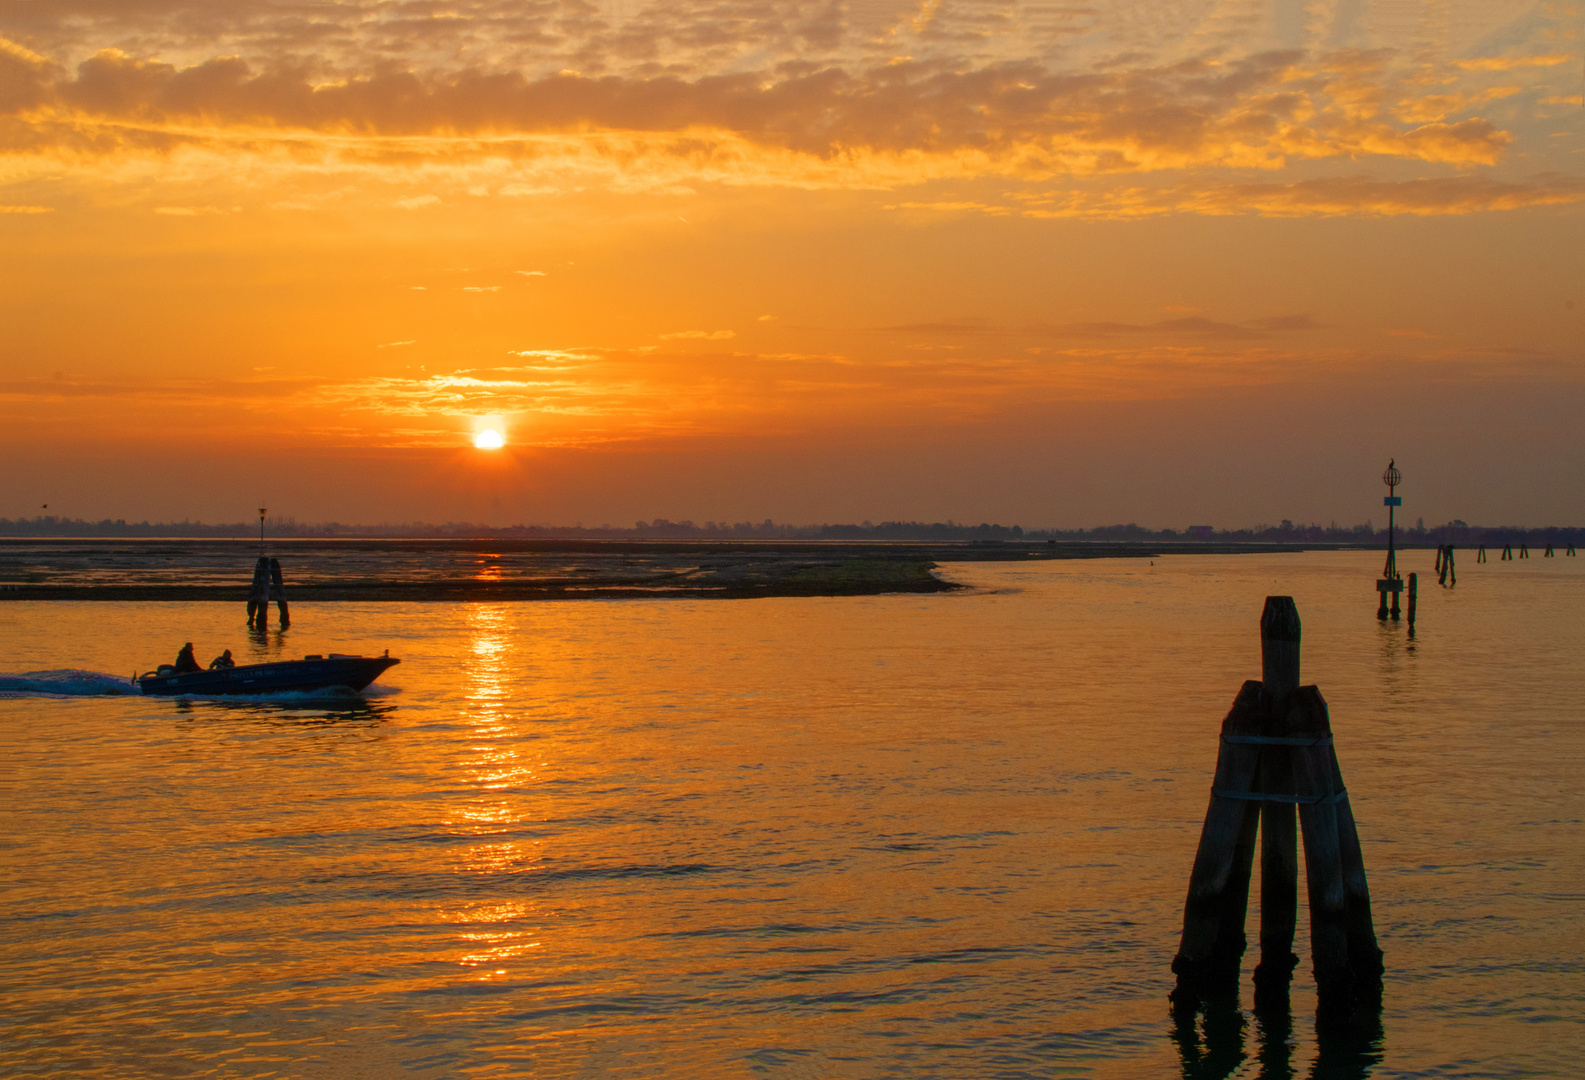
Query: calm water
(890, 836)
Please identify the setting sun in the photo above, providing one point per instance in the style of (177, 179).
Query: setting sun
(488, 440)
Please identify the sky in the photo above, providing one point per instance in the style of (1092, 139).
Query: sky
(1058, 264)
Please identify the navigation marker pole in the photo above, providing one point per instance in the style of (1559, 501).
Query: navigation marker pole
(1390, 583)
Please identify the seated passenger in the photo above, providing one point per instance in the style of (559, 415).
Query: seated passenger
(223, 661)
(185, 661)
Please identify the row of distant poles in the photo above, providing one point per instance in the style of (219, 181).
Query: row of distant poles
(1391, 583)
(267, 586)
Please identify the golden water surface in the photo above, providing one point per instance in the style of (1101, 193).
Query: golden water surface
(889, 836)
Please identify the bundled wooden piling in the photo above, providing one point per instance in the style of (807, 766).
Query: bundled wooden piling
(1277, 754)
(1548, 554)
(1570, 550)
(1480, 556)
(267, 585)
(1524, 551)
(1414, 590)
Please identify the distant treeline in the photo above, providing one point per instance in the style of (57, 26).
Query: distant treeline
(1454, 532)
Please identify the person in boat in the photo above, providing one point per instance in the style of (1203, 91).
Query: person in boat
(222, 662)
(185, 661)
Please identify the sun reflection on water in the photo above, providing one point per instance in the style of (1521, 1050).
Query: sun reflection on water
(495, 774)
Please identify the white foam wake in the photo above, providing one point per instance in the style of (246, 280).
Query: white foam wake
(66, 682)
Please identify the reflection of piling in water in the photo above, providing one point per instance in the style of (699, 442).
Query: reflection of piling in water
(267, 585)
(1277, 754)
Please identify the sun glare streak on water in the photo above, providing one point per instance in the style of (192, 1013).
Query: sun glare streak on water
(942, 836)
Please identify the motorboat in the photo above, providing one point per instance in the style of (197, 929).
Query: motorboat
(338, 670)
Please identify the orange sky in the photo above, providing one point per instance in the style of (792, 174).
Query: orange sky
(1201, 260)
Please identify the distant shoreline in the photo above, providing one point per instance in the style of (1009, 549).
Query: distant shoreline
(488, 571)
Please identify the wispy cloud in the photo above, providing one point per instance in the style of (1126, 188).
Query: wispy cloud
(699, 335)
(1322, 197)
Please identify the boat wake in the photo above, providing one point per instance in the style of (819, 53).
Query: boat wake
(66, 682)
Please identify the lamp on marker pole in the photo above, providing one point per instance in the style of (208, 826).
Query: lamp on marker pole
(261, 532)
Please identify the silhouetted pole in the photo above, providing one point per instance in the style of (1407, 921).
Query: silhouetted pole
(1414, 588)
(1280, 633)
(259, 593)
(278, 594)
(1213, 915)
(1390, 584)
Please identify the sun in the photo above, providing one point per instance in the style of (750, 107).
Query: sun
(488, 439)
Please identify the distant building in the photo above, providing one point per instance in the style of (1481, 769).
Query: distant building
(1199, 532)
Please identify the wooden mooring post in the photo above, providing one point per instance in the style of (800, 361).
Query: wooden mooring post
(267, 585)
(1277, 755)
(1414, 590)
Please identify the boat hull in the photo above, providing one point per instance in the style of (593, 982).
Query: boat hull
(285, 676)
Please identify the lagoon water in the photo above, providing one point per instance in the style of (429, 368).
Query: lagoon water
(887, 836)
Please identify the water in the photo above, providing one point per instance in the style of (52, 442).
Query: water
(893, 836)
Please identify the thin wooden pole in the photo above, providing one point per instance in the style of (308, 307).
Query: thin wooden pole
(1364, 954)
(259, 592)
(1414, 590)
(1322, 855)
(278, 594)
(1213, 940)
(1280, 634)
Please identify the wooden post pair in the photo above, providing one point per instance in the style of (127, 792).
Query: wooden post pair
(267, 585)
(1277, 755)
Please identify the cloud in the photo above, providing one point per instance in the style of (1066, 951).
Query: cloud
(1509, 63)
(1005, 118)
(188, 211)
(1321, 197)
(417, 202)
(27, 209)
(531, 273)
(1284, 322)
(699, 335)
(481, 288)
(1190, 327)
(395, 344)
